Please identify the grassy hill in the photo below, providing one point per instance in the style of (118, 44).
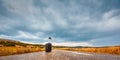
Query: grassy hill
(9, 47)
(7, 42)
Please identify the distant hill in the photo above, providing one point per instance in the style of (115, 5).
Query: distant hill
(8, 42)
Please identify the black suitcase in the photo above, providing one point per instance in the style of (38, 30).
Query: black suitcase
(48, 47)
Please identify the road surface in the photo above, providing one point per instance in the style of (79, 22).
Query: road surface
(61, 55)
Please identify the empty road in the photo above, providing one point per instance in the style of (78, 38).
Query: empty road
(61, 55)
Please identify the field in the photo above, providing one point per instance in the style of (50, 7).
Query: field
(101, 50)
(18, 50)
(9, 47)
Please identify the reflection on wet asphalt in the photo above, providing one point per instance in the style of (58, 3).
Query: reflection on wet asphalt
(61, 55)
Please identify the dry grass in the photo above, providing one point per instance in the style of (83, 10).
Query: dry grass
(10, 47)
(107, 50)
(18, 50)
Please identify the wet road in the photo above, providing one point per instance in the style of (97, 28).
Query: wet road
(61, 55)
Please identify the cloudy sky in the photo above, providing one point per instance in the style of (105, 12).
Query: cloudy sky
(69, 22)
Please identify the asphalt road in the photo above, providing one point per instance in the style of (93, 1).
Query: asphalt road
(61, 55)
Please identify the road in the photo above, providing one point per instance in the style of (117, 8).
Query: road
(61, 55)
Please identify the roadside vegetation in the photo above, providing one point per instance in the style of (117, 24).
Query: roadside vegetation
(101, 50)
(9, 47)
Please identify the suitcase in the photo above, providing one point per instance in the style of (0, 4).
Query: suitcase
(48, 47)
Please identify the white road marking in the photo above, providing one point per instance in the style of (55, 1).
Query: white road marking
(83, 53)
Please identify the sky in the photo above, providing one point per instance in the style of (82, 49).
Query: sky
(68, 22)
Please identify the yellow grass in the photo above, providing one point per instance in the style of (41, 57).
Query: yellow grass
(18, 50)
(107, 50)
